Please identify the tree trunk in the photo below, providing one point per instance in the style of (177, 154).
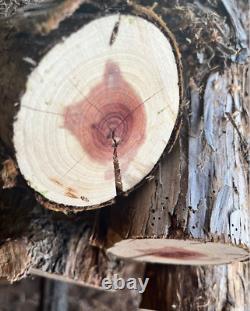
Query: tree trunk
(199, 189)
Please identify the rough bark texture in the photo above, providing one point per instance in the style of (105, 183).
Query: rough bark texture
(206, 171)
(43, 294)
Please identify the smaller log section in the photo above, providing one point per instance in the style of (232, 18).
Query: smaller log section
(98, 112)
(182, 252)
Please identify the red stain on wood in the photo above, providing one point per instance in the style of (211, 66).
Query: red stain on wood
(57, 182)
(173, 252)
(71, 195)
(70, 192)
(111, 113)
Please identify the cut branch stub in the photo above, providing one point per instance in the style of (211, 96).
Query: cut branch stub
(98, 111)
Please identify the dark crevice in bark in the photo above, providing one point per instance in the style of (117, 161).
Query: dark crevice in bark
(244, 144)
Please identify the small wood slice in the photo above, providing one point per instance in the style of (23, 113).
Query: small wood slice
(181, 252)
(98, 111)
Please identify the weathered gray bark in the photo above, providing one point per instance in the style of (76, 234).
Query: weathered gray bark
(206, 172)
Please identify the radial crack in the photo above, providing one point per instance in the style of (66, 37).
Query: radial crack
(115, 31)
(117, 171)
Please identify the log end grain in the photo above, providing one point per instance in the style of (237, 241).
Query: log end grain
(98, 112)
(178, 252)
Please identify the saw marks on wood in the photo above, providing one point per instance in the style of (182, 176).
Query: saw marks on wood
(98, 112)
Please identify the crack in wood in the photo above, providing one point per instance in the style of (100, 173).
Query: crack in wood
(115, 31)
(244, 144)
(117, 171)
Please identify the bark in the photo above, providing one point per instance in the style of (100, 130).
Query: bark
(205, 173)
(44, 294)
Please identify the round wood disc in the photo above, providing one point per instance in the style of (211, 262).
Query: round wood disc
(98, 111)
(181, 252)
